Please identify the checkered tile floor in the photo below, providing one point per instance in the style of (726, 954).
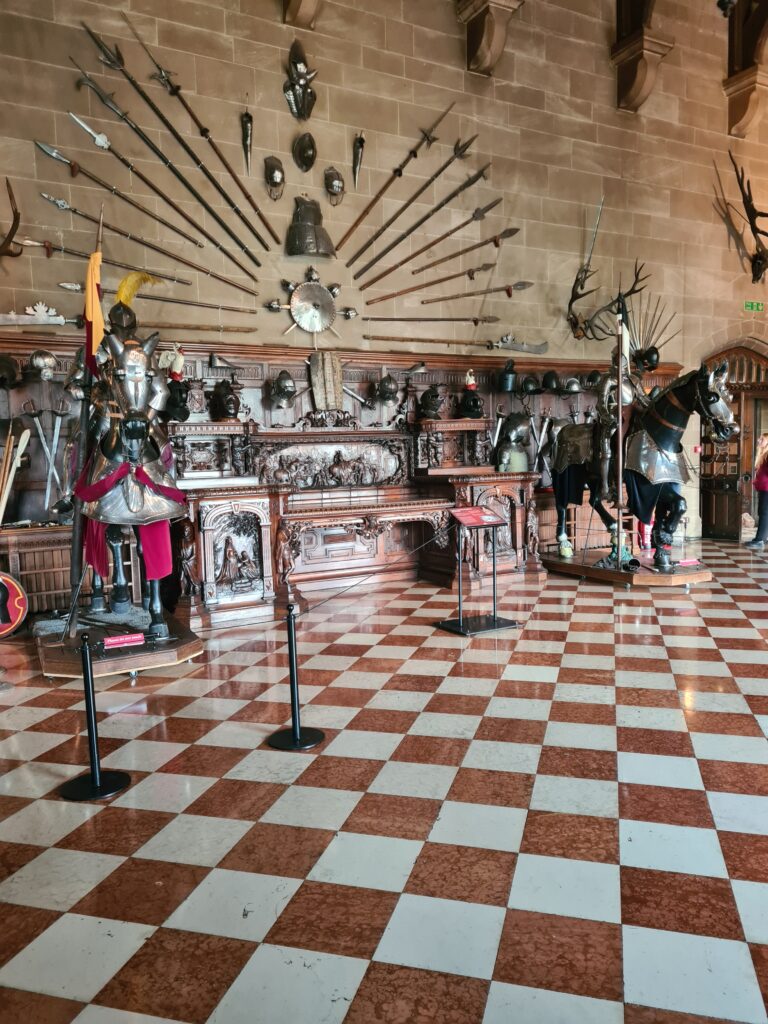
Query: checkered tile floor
(562, 824)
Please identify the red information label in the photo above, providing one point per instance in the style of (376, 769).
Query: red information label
(127, 640)
(477, 516)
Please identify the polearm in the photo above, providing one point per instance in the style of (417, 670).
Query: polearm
(471, 180)
(109, 102)
(75, 286)
(508, 289)
(507, 343)
(476, 320)
(460, 151)
(471, 273)
(76, 168)
(63, 205)
(101, 140)
(494, 240)
(477, 215)
(165, 78)
(52, 247)
(427, 138)
(114, 60)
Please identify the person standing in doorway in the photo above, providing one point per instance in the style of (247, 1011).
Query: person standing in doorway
(760, 484)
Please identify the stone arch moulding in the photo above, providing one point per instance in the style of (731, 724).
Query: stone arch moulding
(637, 52)
(486, 22)
(301, 13)
(747, 83)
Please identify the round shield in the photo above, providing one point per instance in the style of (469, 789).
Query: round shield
(305, 152)
(14, 604)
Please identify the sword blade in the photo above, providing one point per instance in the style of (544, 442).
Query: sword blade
(52, 464)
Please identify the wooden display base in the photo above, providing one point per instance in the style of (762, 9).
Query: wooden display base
(644, 577)
(59, 658)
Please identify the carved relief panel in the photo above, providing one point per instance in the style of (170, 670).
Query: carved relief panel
(237, 555)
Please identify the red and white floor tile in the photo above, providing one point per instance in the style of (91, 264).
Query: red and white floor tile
(565, 823)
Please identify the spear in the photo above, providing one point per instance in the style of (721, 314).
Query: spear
(74, 286)
(460, 151)
(476, 320)
(76, 168)
(222, 328)
(108, 100)
(114, 60)
(494, 240)
(506, 342)
(102, 141)
(427, 138)
(471, 180)
(63, 205)
(477, 215)
(508, 289)
(433, 284)
(165, 78)
(52, 247)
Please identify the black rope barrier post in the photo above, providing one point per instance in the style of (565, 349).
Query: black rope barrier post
(94, 784)
(294, 738)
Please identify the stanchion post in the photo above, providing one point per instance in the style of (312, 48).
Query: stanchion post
(294, 738)
(459, 555)
(493, 545)
(95, 784)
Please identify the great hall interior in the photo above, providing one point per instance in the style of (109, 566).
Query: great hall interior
(383, 512)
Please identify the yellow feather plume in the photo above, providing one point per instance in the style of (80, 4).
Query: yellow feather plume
(129, 286)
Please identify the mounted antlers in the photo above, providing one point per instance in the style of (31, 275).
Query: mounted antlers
(597, 327)
(575, 322)
(759, 259)
(8, 247)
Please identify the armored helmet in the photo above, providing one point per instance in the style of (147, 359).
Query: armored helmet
(593, 379)
(387, 388)
(334, 185)
(572, 386)
(530, 386)
(646, 358)
(283, 390)
(304, 151)
(550, 381)
(507, 377)
(274, 175)
(122, 317)
(42, 364)
(306, 235)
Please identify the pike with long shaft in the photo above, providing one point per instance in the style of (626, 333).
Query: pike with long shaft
(52, 247)
(165, 78)
(75, 286)
(102, 141)
(114, 60)
(471, 274)
(109, 102)
(478, 215)
(470, 181)
(506, 342)
(508, 289)
(427, 138)
(460, 151)
(494, 240)
(63, 205)
(76, 168)
(476, 320)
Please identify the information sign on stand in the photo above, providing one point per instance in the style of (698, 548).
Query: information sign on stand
(476, 518)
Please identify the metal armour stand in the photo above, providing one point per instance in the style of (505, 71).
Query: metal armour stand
(473, 624)
(95, 784)
(294, 738)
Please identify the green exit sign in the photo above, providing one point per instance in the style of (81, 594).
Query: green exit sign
(754, 307)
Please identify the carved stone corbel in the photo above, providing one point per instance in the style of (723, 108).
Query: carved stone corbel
(487, 22)
(637, 52)
(301, 13)
(747, 81)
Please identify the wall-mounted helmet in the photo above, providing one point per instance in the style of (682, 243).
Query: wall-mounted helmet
(530, 386)
(572, 386)
(550, 381)
(274, 176)
(592, 379)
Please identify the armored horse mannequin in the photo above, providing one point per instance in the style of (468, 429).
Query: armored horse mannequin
(654, 466)
(129, 479)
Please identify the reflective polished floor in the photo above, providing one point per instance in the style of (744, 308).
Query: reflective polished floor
(565, 823)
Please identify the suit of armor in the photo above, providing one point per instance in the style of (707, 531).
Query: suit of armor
(631, 393)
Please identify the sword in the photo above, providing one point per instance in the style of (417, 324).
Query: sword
(508, 289)
(59, 415)
(16, 462)
(495, 240)
(471, 273)
(28, 408)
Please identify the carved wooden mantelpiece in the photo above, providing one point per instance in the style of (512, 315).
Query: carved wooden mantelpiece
(301, 13)
(487, 22)
(637, 52)
(447, 445)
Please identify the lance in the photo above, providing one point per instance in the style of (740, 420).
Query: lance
(114, 60)
(52, 247)
(476, 320)
(63, 205)
(433, 284)
(427, 138)
(221, 328)
(471, 180)
(460, 151)
(494, 240)
(75, 286)
(108, 100)
(165, 78)
(102, 141)
(508, 289)
(478, 215)
(506, 342)
(76, 168)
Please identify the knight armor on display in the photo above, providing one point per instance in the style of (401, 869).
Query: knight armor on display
(297, 89)
(282, 391)
(306, 235)
(274, 176)
(304, 151)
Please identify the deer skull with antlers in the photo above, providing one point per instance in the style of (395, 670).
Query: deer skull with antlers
(600, 324)
(758, 260)
(8, 247)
